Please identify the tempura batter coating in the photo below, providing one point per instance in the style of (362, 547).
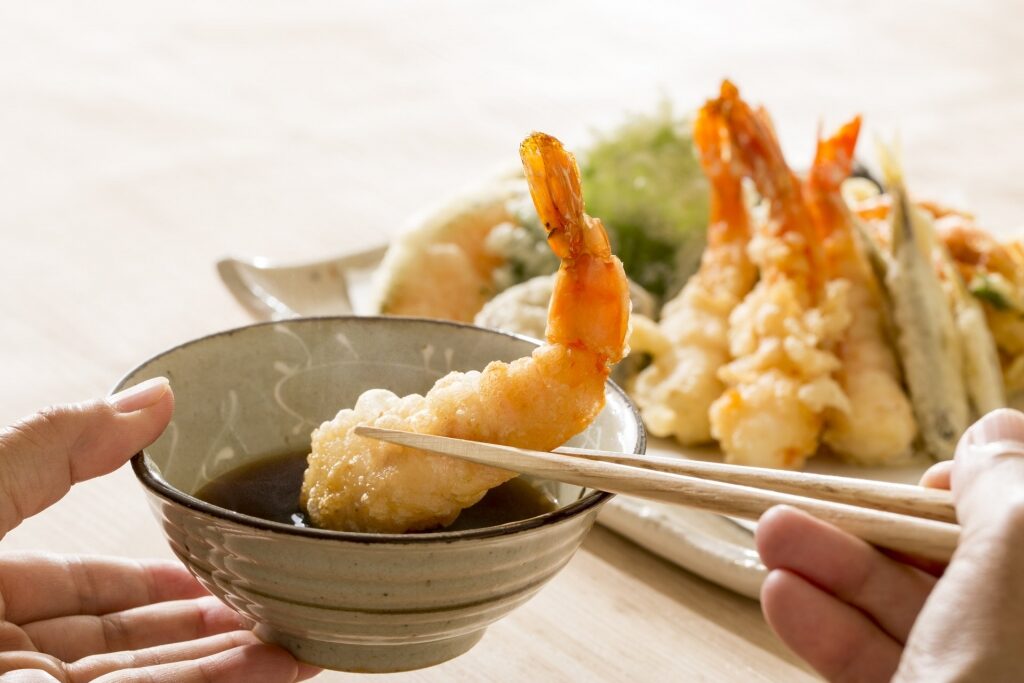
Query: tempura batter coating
(690, 344)
(439, 266)
(358, 484)
(780, 382)
(878, 425)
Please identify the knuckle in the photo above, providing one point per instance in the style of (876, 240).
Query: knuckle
(862, 576)
(47, 667)
(40, 430)
(1015, 515)
(116, 634)
(88, 432)
(56, 426)
(68, 428)
(85, 586)
(54, 422)
(994, 523)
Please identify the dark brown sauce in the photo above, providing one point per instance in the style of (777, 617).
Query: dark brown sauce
(269, 489)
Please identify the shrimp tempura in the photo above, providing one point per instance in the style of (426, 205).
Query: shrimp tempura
(690, 344)
(879, 425)
(781, 382)
(359, 484)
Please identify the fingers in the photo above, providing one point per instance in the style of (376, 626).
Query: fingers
(237, 656)
(889, 592)
(93, 667)
(26, 665)
(43, 455)
(38, 586)
(29, 676)
(71, 638)
(839, 641)
(264, 663)
(937, 476)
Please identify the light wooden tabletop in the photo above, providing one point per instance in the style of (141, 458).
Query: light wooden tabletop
(139, 142)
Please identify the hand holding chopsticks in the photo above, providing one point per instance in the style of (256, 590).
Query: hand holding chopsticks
(898, 517)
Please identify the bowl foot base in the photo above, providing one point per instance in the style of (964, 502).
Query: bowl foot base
(364, 658)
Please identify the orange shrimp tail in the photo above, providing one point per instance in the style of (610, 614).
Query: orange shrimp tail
(756, 147)
(554, 180)
(754, 143)
(728, 221)
(833, 160)
(590, 302)
(590, 309)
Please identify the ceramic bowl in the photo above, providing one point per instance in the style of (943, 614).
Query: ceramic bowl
(710, 545)
(349, 601)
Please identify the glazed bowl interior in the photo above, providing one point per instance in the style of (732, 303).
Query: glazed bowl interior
(248, 394)
(351, 601)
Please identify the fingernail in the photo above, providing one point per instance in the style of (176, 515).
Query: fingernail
(139, 396)
(1004, 424)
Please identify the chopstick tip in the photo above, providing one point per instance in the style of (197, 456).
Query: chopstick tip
(372, 432)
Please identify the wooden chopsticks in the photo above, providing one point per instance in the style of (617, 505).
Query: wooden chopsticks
(905, 499)
(897, 517)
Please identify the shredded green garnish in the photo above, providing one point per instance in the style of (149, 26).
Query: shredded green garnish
(644, 182)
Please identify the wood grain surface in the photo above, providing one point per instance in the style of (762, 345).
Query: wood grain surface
(139, 142)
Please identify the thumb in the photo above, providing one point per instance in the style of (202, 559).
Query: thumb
(988, 471)
(43, 455)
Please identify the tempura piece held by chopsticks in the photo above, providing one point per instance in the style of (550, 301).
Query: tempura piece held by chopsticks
(537, 402)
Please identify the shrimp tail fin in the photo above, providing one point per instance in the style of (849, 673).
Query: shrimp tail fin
(590, 303)
(755, 147)
(554, 180)
(833, 160)
(728, 219)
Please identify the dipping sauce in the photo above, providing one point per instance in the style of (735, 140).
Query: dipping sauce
(269, 489)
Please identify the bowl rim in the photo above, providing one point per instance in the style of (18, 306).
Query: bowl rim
(157, 486)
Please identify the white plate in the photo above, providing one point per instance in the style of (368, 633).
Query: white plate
(715, 547)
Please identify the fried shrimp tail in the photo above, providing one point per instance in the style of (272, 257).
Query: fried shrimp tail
(780, 383)
(878, 427)
(690, 344)
(599, 321)
(538, 402)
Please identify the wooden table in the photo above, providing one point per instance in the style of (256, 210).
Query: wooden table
(139, 143)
